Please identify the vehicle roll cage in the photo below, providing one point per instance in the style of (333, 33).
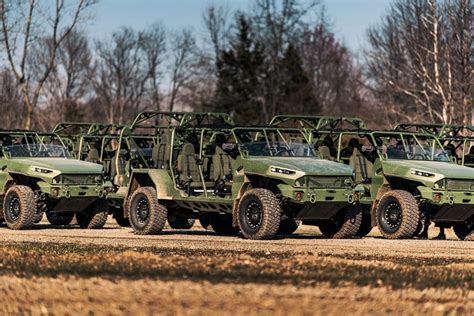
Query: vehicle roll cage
(79, 129)
(318, 122)
(178, 118)
(438, 129)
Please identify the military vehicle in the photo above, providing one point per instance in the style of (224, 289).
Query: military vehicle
(38, 176)
(259, 180)
(121, 148)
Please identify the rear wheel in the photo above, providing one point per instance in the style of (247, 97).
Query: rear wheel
(398, 215)
(365, 225)
(95, 216)
(147, 216)
(59, 218)
(180, 223)
(19, 207)
(259, 214)
(121, 220)
(222, 225)
(288, 226)
(462, 230)
(346, 224)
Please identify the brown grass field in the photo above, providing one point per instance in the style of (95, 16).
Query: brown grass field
(59, 271)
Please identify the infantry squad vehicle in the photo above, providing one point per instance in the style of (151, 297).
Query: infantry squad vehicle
(261, 181)
(409, 179)
(121, 148)
(38, 177)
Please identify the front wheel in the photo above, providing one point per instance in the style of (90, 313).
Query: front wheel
(398, 215)
(95, 216)
(346, 224)
(19, 207)
(259, 214)
(147, 216)
(59, 219)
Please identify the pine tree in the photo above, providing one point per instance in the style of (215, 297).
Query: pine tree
(297, 95)
(241, 70)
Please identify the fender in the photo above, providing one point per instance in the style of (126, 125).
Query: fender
(158, 178)
(246, 185)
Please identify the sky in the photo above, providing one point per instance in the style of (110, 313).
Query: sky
(350, 18)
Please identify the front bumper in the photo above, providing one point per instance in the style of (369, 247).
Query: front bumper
(320, 204)
(449, 205)
(60, 191)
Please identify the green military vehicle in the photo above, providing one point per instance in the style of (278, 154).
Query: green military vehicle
(408, 177)
(120, 149)
(260, 181)
(38, 177)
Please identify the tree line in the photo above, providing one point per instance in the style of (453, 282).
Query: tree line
(277, 57)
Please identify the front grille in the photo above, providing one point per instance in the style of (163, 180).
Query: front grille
(78, 179)
(325, 182)
(460, 185)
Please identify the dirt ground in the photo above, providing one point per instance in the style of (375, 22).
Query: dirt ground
(49, 271)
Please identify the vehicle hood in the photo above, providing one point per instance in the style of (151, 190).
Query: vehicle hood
(61, 165)
(446, 169)
(301, 165)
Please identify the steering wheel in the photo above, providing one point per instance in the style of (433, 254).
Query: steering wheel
(282, 150)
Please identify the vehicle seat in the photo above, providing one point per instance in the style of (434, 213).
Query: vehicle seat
(93, 156)
(325, 152)
(161, 153)
(188, 168)
(362, 167)
(222, 165)
(297, 148)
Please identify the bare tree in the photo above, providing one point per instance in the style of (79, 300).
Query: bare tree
(153, 44)
(10, 101)
(23, 24)
(418, 60)
(183, 47)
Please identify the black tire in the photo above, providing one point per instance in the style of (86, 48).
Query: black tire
(288, 226)
(222, 225)
(59, 219)
(398, 215)
(147, 216)
(19, 207)
(345, 225)
(39, 217)
(462, 230)
(365, 225)
(259, 214)
(180, 223)
(95, 216)
(205, 222)
(120, 219)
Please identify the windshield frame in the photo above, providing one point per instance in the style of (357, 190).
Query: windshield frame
(30, 148)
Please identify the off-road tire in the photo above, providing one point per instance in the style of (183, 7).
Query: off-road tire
(59, 219)
(180, 223)
(347, 226)
(155, 218)
(23, 198)
(222, 225)
(120, 219)
(365, 225)
(266, 217)
(409, 215)
(94, 217)
(462, 230)
(288, 226)
(39, 217)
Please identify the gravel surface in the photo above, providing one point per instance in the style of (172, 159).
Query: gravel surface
(56, 270)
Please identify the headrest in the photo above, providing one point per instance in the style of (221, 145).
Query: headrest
(219, 151)
(188, 149)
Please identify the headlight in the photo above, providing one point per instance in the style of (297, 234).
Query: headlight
(282, 171)
(421, 173)
(440, 184)
(40, 170)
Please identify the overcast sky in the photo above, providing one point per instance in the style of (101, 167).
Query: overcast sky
(350, 17)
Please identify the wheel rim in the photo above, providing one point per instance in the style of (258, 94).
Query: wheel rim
(14, 208)
(142, 211)
(254, 214)
(392, 215)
